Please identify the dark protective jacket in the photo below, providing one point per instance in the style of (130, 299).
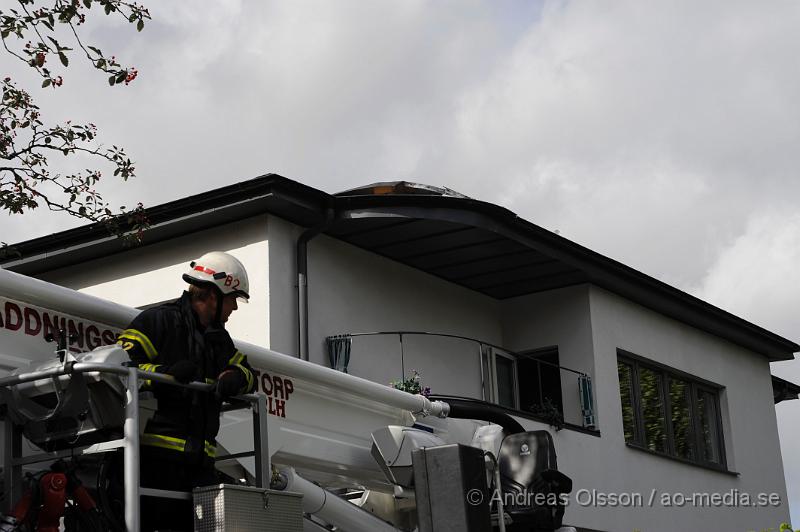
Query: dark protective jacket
(186, 422)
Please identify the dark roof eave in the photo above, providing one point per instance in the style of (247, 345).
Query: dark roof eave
(306, 207)
(783, 390)
(271, 193)
(602, 271)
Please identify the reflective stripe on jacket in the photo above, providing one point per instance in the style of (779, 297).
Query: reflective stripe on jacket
(185, 421)
(175, 444)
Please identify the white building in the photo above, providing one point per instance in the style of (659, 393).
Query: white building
(677, 394)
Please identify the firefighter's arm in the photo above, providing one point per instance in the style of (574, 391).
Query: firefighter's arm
(143, 340)
(237, 377)
(138, 341)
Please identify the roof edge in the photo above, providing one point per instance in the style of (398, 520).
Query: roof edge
(603, 271)
(783, 390)
(306, 206)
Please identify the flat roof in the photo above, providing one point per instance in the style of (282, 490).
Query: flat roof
(475, 244)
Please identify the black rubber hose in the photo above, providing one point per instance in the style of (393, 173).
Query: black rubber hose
(464, 408)
(107, 474)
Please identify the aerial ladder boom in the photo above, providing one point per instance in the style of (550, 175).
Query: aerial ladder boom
(321, 419)
(327, 430)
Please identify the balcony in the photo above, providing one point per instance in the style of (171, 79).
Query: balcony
(530, 384)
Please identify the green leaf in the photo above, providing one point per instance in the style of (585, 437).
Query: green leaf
(87, 3)
(112, 80)
(64, 60)
(5, 33)
(108, 9)
(121, 76)
(46, 83)
(140, 25)
(95, 50)
(55, 43)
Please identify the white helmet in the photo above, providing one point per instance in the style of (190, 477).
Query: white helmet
(221, 269)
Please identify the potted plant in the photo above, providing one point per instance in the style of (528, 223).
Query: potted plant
(411, 384)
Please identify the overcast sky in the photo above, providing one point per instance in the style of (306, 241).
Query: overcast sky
(665, 135)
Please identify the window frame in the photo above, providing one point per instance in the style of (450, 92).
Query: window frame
(490, 385)
(489, 358)
(514, 379)
(534, 356)
(696, 384)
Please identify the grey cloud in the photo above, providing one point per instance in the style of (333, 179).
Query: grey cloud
(661, 134)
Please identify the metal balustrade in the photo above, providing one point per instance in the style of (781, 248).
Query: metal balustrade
(549, 392)
(129, 443)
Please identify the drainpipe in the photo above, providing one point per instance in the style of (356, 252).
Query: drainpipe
(302, 281)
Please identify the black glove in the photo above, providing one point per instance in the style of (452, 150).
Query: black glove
(230, 382)
(184, 371)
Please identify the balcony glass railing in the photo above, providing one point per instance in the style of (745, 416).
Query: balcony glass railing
(533, 383)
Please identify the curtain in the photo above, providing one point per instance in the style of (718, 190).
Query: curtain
(587, 400)
(339, 351)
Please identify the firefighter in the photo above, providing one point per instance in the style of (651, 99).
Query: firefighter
(187, 339)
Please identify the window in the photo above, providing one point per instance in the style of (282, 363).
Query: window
(542, 378)
(670, 413)
(530, 382)
(506, 381)
(499, 377)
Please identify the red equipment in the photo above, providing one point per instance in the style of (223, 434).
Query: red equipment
(46, 499)
(53, 494)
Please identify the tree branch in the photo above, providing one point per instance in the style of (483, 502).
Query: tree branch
(25, 141)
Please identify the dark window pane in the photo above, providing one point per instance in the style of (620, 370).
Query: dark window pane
(680, 404)
(534, 370)
(709, 435)
(669, 413)
(650, 387)
(505, 381)
(626, 395)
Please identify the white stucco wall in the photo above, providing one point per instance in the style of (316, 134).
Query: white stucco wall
(152, 274)
(554, 318)
(609, 466)
(351, 290)
(282, 237)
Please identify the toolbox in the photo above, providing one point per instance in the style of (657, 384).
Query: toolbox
(227, 507)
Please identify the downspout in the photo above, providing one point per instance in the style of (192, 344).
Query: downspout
(302, 280)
